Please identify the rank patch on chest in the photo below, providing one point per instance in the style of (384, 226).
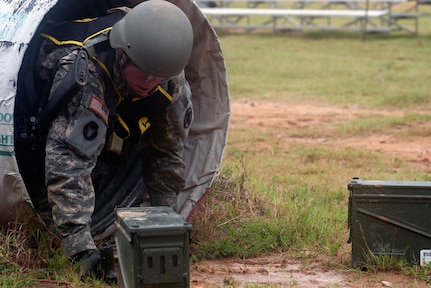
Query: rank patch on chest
(98, 107)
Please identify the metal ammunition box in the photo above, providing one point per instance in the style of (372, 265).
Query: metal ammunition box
(390, 218)
(153, 247)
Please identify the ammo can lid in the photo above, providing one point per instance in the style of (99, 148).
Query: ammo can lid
(389, 184)
(360, 186)
(135, 219)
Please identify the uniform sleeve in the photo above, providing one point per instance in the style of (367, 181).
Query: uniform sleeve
(164, 167)
(75, 139)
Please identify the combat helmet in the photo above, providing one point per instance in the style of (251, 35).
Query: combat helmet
(156, 35)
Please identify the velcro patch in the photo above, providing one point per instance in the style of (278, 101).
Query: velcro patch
(97, 106)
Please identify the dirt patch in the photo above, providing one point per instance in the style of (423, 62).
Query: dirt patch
(281, 270)
(319, 120)
(271, 269)
(284, 270)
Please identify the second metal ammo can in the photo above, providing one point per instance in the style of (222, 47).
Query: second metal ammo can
(391, 219)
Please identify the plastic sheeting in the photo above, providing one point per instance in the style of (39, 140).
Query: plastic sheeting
(205, 146)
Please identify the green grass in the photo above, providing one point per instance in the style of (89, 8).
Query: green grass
(379, 72)
(407, 125)
(27, 258)
(335, 68)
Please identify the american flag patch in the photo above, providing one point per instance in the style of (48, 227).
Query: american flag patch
(99, 108)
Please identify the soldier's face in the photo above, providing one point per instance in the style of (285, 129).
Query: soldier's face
(140, 81)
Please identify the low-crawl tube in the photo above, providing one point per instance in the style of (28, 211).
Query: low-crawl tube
(120, 185)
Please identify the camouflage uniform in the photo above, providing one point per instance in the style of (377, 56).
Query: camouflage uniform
(77, 136)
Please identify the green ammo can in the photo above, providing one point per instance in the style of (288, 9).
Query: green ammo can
(390, 218)
(153, 247)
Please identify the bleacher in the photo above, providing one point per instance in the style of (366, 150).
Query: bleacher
(364, 16)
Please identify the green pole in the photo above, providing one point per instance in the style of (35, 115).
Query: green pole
(365, 21)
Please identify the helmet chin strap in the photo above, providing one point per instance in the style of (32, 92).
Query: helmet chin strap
(133, 94)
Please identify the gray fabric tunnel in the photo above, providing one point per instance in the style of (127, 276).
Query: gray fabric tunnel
(120, 185)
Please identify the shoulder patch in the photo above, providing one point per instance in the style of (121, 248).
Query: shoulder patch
(98, 107)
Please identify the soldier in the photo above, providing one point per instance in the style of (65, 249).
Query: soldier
(123, 78)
